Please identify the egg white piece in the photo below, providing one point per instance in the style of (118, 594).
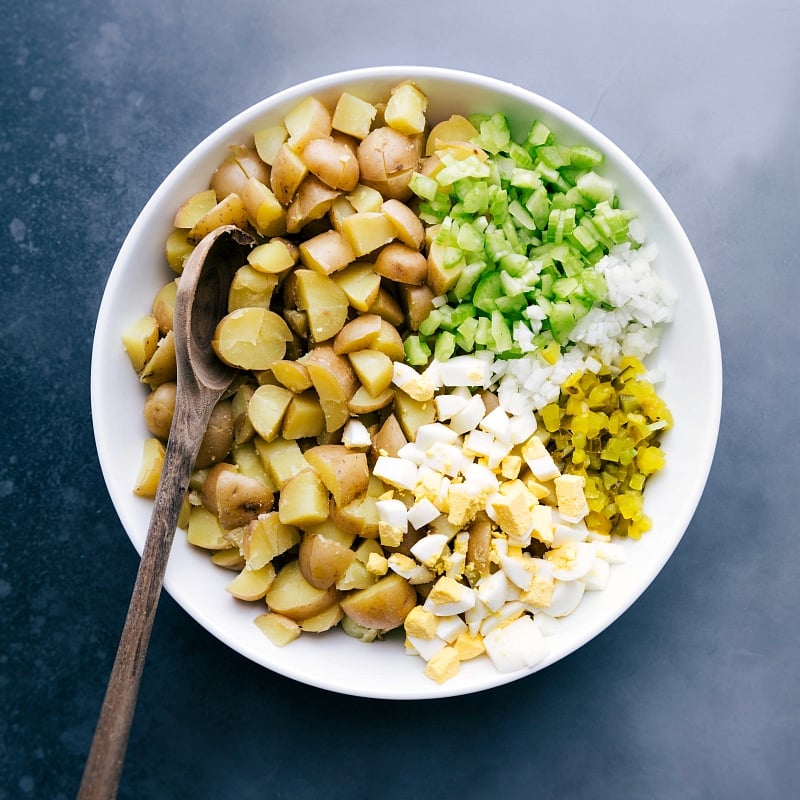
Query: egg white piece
(465, 601)
(355, 435)
(422, 513)
(409, 569)
(518, 645)
(517, 571)
(522, 427)
(399, 472)
(447, 405)
(569, 533)
(434, 433)
(449, 628)
(470, 416)
(426, 648)
(571, 561)
(467, 370)
(429, 549)
(495, 590)
(596, 579)
(393, 512)
(566, 597)
(498, 424)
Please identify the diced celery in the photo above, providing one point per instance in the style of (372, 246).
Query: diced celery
(465, 334)
(595, 188)
(417, 351)
(467, 279)
(539, 134)
(445, 346)
(483, 333)
(423, 186)
(489, 288)
(501, 333)
(585, 157)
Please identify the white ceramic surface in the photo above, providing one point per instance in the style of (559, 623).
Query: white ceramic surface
(689, 353)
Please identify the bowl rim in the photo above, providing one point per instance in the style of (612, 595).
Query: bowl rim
(380, 74)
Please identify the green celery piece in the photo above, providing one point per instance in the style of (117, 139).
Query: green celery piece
(521, 215)
(555, 156)
(461, 313)
(596, 188)
(467, 279)
(538, 135)
(561, 320)
(489, 288)
(483, 333)
(417, 351)
(423, 187)
(564, 287)
(501, 333)
(494, 135)
(585, 157)
(465, 334)
(539, 206)
(431, 323)
(445, 346)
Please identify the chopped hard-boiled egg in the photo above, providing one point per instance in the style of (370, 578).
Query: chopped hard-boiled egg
(470, 462)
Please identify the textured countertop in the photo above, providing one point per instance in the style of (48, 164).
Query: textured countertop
(693, 693)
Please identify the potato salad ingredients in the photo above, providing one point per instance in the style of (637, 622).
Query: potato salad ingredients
(442, 422)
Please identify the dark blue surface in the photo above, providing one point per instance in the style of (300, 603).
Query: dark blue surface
(694, 693)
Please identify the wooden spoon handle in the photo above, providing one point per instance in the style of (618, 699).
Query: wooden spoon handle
(104, 764)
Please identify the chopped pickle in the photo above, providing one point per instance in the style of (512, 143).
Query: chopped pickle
(605, 427)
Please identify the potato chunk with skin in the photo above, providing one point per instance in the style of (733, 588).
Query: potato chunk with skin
(358, 334)
(294, 597)
(236, 499)
(159, 409)
(327, 252)
(288, 172)
(267, 408)
(280, 630)
(360, 283)
(402, 264)
(387, 159)
(304, 417)
(312, 201)
(407, 225)
(323, 561)
(303, 500)
(251, 338)
(323, 301)
(265, 538)
(229, 211)
(333, 163)
(252, 584)
(353, 115)
(373, 368)
(335, 382)
(382, 606)
(344, 473)
(218, 437)
(150, 470)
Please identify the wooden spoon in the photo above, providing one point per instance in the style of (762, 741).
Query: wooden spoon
(201, 301)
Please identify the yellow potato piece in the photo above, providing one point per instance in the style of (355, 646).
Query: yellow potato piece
(324, 303)
(252, 584)
(251, 338)
(293, 596)
(303, 500)
(150, 470)
(140, 340)
(267, 408)
(265, 538)
(278, 629)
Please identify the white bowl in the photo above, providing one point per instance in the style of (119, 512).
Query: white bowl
(689, 354)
